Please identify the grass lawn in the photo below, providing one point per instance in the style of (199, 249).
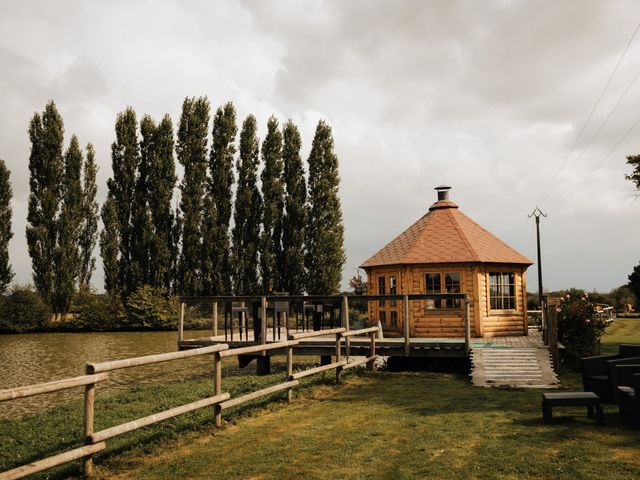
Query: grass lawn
(621, 330)
(375, 426)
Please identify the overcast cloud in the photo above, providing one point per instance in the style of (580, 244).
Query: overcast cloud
(487, 97)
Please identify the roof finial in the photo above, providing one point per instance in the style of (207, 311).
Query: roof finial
(443, 192)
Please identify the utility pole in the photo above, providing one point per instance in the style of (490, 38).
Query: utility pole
(537, 213)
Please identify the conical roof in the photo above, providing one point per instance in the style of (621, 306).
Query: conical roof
(445, 235)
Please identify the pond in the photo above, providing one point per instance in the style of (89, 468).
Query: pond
(31, 358)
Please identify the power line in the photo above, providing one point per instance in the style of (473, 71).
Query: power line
(551, 186)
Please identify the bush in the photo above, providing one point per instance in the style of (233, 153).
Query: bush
(579, 329)
(23, 310)
(95, 313)
(151, 309)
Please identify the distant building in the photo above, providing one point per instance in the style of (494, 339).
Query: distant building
(447, 252)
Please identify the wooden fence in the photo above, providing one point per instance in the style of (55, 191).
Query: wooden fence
(97, 372)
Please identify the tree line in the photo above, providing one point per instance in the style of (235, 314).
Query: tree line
(177, 235)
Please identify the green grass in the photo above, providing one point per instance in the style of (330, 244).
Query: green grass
(621, 330)
(374, 426)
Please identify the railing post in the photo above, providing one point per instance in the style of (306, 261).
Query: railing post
(181, 323)
(217, 387)
(263, 323)
(89, 402)
(344, 311)
(289, 370)
(214, 314)
(552, 334)
(467, 325)
(405, 324)
(338, 356)
(372, 351)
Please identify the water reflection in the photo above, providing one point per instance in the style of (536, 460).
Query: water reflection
(41, 357)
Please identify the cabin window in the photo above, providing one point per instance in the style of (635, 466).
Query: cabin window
(502, 291)
(393, 289)
(394, 318)
(383, 317)
(382, 288)
(446, 282)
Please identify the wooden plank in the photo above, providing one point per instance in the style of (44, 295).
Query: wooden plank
(345, 321)
(362, 331)
(51, 462)
(89, 400)
(157, 417)
(289, 371)
(467, 325)
(318, 333)
(405, 324)
(360, 362)
(263, 322)
(258, 393)
(217, 388)
(214, 313)
(313, 371)
(56, 385)
(257, 348)
(161, 357)
(181, 323)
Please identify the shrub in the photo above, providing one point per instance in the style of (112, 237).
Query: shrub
(96, 313)
(151, 309)
(579, 329)
(23, 310)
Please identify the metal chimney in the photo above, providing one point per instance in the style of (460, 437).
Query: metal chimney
(443, 192)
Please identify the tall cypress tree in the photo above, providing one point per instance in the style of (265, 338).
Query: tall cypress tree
(46, 132)
(218, 205)
(142, 232)
(125, 157)
(192, 155)
(89, 217)
(294, 221)
(162, 180)
(273, 197)
(67, 257)
(110, 245)
(248, 213)
(325, 232)
(6, 273)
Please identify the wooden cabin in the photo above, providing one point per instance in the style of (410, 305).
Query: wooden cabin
(447, 252)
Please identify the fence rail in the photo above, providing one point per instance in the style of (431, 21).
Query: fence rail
(97, 372)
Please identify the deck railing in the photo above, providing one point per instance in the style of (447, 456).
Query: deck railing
(97, 372)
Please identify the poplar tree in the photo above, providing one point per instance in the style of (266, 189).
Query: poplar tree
(125, 157)
(6, 273)
(192, 155)
(218, 205)
(67, 255)
(273, 198)
(142, 233)
(89, 216)
(294, 220)
(46, 133)
(325, 255)
(162, 180)
(110, 245)
(248, 213)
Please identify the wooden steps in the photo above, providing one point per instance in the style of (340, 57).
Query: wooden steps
(512, 367)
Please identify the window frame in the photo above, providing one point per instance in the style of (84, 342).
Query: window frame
(499, 287)
(441, 305)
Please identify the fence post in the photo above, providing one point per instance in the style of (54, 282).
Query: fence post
(405, 323)
(289, 370)
(89, 402)
(467, 325)
(552, 334)
(263, 323)
(217, 386)
(345, 322)
(181, 323)
(372, 351)
(338, 356)
(214, 313)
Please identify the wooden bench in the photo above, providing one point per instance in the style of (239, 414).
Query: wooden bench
(572, 399)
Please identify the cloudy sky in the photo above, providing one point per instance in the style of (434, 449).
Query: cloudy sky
(488, 97)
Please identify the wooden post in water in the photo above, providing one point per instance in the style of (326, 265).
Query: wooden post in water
(89, 402)
(181, 323)
(217, 387)
(289, 370)
(405, 324)
(344, 313)
(214, 314)
(467, 325)
(372, 352)
(338, 356)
